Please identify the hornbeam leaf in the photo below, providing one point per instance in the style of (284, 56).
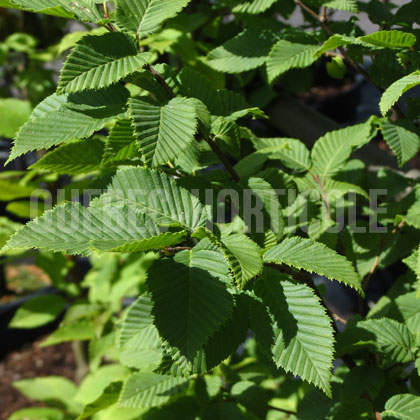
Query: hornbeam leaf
(74, 229)
(314, 257)
(98, 61)
(146, 16)
(393, 92)
(189, 308)
(252, 7)
(390, 39)
(54, 389)
(294, 154)
(120, 146)
(244, 257)
(347, 5)
(64, 117)
(402, 407)
(154, 193)
(287, 55)
(223, 102)
(108, 397)
(246, 51)
(147, 389)
(139, 341)
(333, 42)
(220, 345)
(332, 150)
(85, 10)
(296, 331)
(74, 158)
(391, 338)
(403, 142)
(163, 132)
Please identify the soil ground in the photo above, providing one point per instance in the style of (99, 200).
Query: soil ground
(29, 362)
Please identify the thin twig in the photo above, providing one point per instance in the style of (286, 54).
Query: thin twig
(282, 410)
(324, 196)
(159, 78)
(378, 255)
(175, 249)
(323, 15)
(339, 318)
(105, 6)
(323, 22)
(210, 141)
(215, 148)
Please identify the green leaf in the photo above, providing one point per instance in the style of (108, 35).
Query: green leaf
(94, 383)
(192, 308)
(300, 335)
(15, 113)
(121, 145)
(218, 101)
(244, 257)
(346, 5)
(108, 397)
(417, 271)
(79, 330)
(64, 117)
(271, 211)
(154, 193)
(163, 132)
(393, 92)
(314, 257)
(223, 410)
(390, 337)
(390, 39)
(11, 190)
(332, 150)
(362, 380)
(139, 341)
(292, 152)
(252, 7)
(7, 229)
(50, 388)
(38, 413)
(287, 55)
(404, 143)
(220, 345)
(85, 10)
(73, 229)
(78, 157)
(147, 389)
(333, 42)
(246, 51)
(402, 407)
(336, 68)
(146, 16)
(98, 61)
(38, 311)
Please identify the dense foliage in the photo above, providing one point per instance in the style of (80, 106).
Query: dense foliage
(175, 169)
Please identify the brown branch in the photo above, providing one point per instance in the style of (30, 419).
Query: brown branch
(323, 15)
(159, 78)
(282, 410)
(174, 250)
(215, 148)
(210, 141)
